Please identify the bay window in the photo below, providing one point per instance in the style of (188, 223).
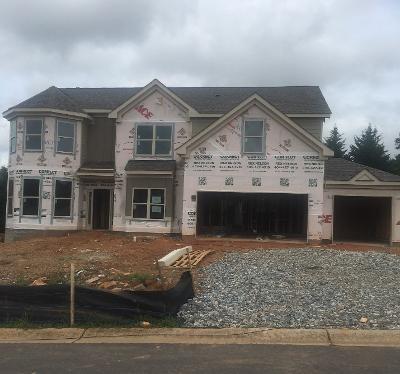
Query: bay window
(13, 136)
(30, 197)
(33, 134)
(62, 198)
(65, 142)
(10, 198)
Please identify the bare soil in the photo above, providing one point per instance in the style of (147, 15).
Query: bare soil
(115, 261)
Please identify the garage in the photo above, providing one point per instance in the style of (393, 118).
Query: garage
(252, 214)
(362, 218)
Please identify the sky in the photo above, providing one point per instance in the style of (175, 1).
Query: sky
(350, 48)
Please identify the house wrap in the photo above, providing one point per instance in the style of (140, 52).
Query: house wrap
(226, 161)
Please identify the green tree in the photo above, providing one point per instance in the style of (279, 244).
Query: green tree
(3, 197)
(368, 149)
(336, 142)
(395, 162)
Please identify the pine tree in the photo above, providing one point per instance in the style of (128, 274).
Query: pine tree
(368, 149)
(395, 162)
(336, 142)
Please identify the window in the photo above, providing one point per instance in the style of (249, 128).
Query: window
(65, 137)
(253, 136)
(148, 203)
(10, 200)
(13, 136)
(154, 139)
(30, 197)
(33, 134)
(62, 198)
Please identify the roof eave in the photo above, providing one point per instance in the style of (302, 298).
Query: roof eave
(13, 112)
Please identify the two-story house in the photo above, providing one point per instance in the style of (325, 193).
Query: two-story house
(230, 161)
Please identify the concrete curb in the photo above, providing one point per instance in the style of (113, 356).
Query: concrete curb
(320, 337)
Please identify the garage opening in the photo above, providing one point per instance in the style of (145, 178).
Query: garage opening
(252, 214)
(361, 218)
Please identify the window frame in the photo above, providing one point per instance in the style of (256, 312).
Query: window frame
(71, 199)
(13, 124)
(148, 204)
(154, 140)
(10, 196)
(39, 197)
(263, 136)
(41, 134)
(71, 122)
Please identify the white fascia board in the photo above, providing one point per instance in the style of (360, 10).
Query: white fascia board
(148, 172)
(315, 115)
(94, 111)
(8, 113)
(254, 99)
(155, 83)
(351, 184)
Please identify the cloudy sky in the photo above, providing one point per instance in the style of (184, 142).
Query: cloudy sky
(350, 48)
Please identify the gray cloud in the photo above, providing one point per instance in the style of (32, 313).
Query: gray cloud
(348, 48)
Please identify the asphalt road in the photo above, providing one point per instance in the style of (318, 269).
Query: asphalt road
(178, 358)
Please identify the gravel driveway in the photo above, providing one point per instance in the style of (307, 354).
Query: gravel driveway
(298, 288)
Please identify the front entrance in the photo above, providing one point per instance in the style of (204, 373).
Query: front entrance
(101, 209)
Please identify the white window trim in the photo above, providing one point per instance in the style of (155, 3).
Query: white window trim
(62, 198)
(148, 203)
(153, 140)
(13, 122)
(10, 197)
(73, 123)
(32, 197)
(41, 135)
(262, 136)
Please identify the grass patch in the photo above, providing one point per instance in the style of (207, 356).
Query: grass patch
(135, 277)
(95, 321)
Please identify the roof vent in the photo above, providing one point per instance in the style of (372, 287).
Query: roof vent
(217, 95)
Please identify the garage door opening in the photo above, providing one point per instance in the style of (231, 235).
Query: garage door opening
(252, 214)
(361, 218)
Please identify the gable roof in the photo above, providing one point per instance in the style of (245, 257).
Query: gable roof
(255, 99)
(341, 170)
(303, 100)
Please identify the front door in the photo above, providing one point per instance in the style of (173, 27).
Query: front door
(101, 209)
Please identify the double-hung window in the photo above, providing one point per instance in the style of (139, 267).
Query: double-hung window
(62, 198)
(253, 136)
(65, 136)
(30, 197)
(154, 139)
(33, 134)
(13, 136)
(148, 203)
(10, 198)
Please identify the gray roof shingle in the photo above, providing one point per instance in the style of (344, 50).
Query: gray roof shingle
(150, 165)
(341, 170)
(210, 100)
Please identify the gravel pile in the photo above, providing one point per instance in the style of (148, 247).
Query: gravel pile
(306, 288)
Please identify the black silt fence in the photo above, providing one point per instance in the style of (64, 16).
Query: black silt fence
(50, 304)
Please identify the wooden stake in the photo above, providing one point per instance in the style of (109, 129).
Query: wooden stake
(72, 295)
(160, 275)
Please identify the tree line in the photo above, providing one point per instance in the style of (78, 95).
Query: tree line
(367, 149)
